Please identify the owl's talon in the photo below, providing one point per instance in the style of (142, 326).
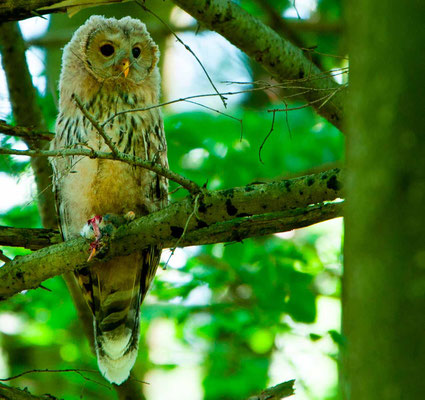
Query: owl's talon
(92, 253)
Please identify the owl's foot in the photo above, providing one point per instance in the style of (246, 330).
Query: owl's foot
(100, 226)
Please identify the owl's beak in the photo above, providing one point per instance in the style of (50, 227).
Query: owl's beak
(124, 66)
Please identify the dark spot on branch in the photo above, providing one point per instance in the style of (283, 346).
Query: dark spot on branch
(324, 176)
(231, 209)
(288, 186)
(301, 74)
(228, 17)
(229, 193)
(264, 206)
(176, 231)
(249, 188)
(301, 192)
(310, 181)
(201, 224)
(333, 183)
(203, 207)
(19, 275)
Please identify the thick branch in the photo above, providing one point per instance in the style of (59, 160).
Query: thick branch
(220, 216)
(277, 55)
(14, 10)
(30, 238)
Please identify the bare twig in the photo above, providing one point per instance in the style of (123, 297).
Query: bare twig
(96, 125)
(189, 185)
(191, 215)
(219, 112)
(77, 371)
(265, 139)
(288, 84)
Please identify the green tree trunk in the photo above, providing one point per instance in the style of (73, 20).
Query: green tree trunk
(384, 279)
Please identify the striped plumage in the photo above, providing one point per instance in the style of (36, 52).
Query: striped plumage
(84, 187)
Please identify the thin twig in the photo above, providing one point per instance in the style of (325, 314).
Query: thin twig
(99, 128)
(198, 96)
(194, 212)
(223, 99)
(219, 112)
(265, 139)
(189, 185)
(77, 371)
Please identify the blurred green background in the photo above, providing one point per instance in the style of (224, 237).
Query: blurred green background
(222, 321)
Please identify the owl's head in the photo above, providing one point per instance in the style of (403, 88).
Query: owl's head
(114, 50)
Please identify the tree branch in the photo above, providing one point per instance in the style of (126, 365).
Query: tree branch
(29, 238)
(220, 216)
(280, 391)
(11, 393)
(26, 112)
(24, 132)
(277, 55)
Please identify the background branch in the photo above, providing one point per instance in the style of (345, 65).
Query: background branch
(27, 113)
(24, 132)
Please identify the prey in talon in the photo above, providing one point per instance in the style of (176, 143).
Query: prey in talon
(99, 226)
(92, 230)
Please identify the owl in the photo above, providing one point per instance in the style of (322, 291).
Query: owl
(110, 65)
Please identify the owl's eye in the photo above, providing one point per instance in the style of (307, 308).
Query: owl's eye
(107, 50)
(136, 52)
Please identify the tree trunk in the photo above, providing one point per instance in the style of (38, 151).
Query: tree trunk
(384, 279)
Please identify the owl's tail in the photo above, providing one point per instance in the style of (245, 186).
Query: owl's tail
(116, 332)
(117, 290)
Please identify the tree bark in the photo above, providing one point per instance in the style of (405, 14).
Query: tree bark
(27, 113)
(384, 278)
